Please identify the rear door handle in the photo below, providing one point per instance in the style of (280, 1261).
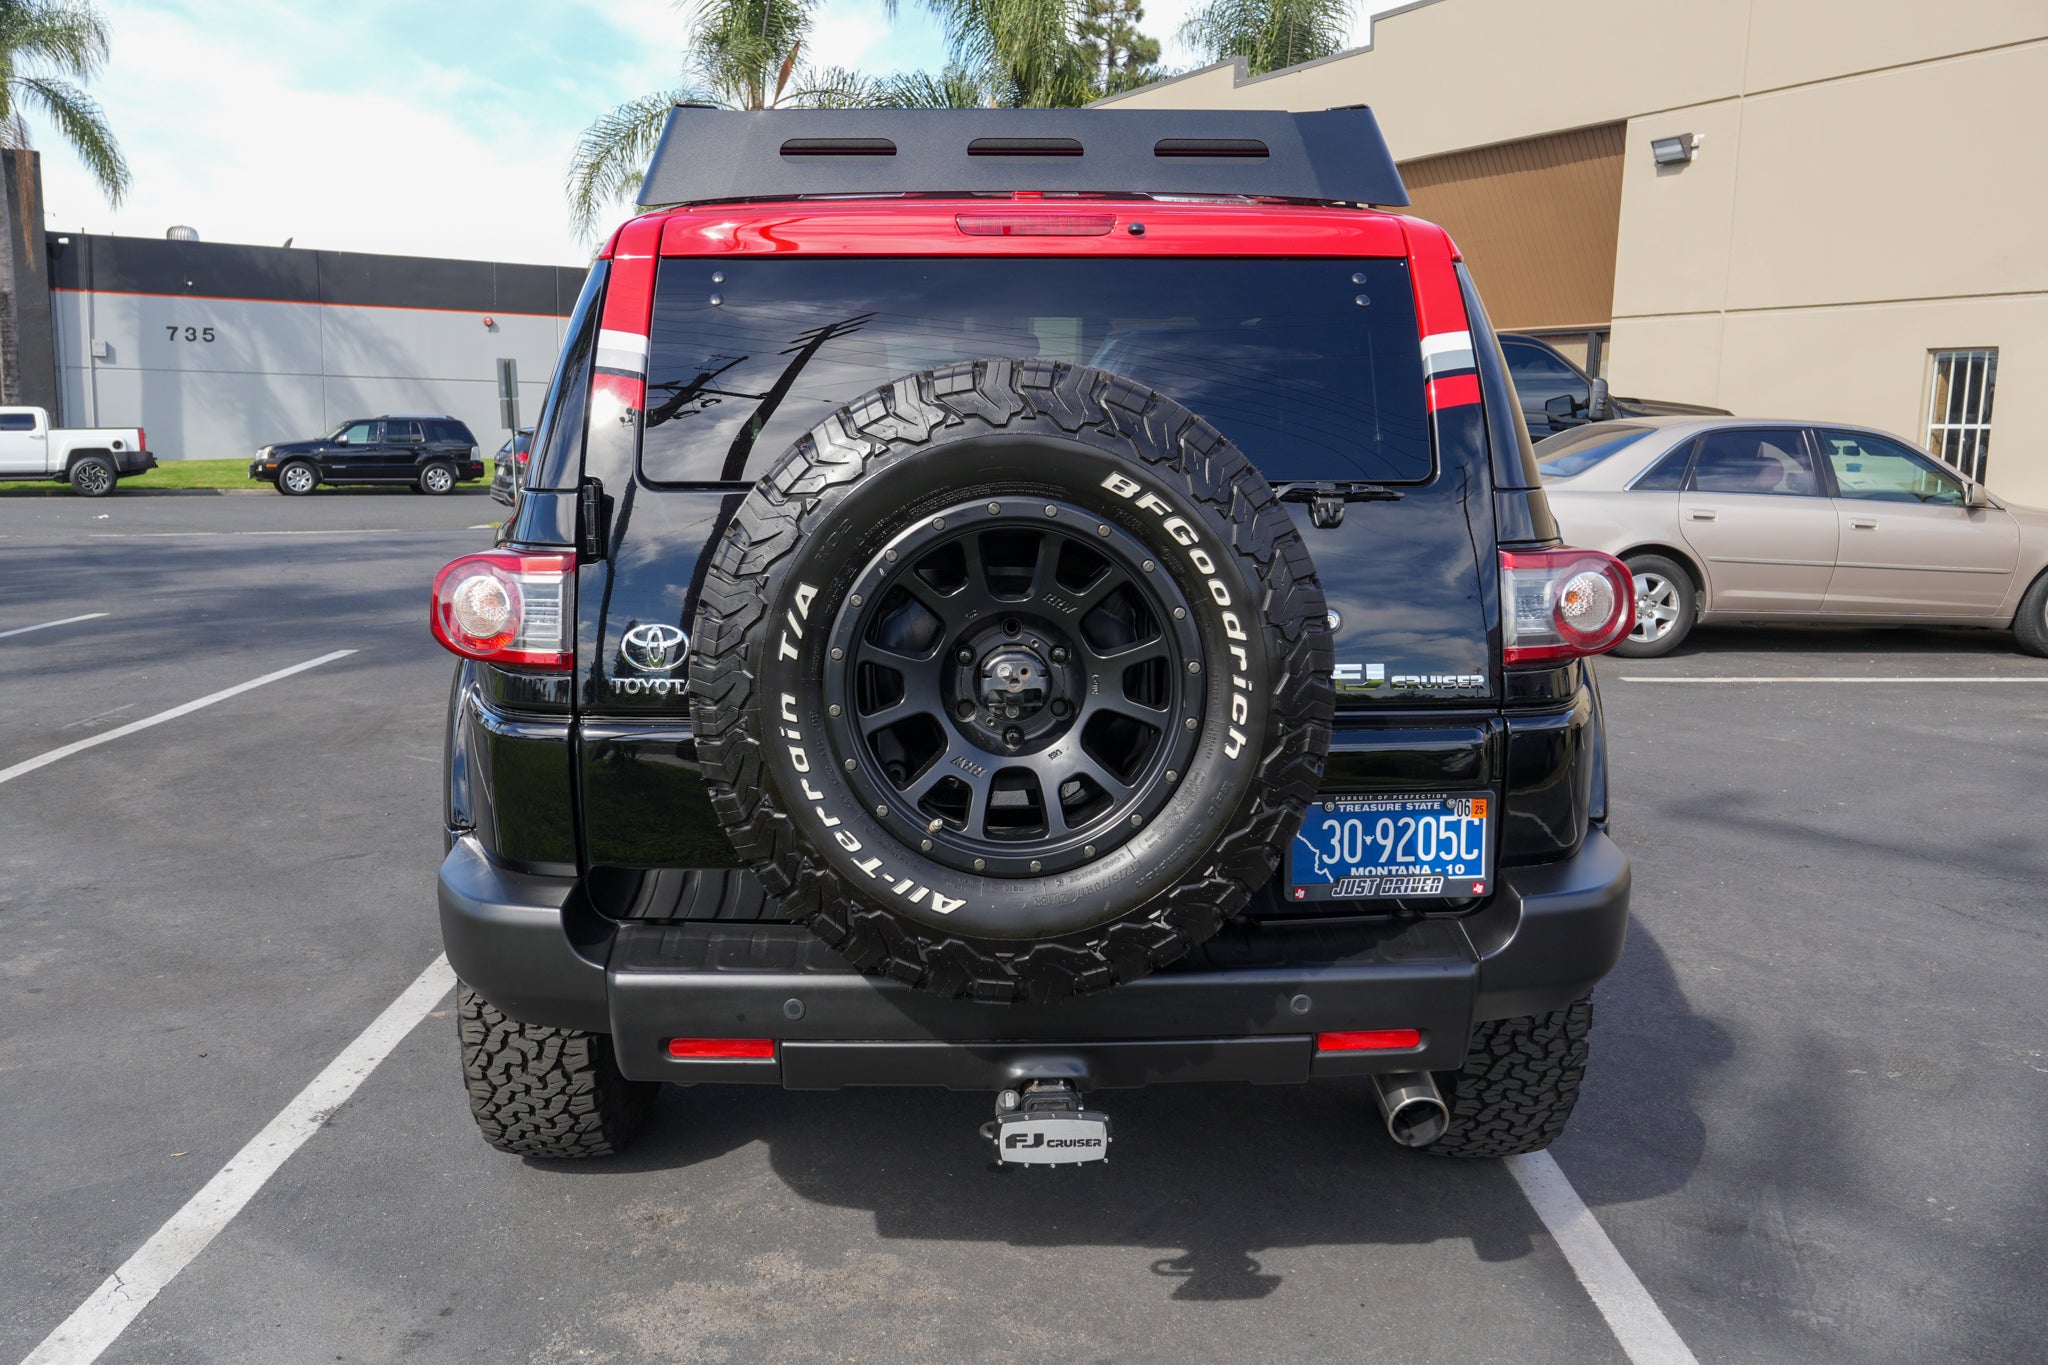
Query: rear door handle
(1702, 514)
(1864, 525)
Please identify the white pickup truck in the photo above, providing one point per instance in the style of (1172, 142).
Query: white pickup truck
(91, 459)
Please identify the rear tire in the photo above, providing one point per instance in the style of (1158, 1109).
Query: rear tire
(94, 477)
(1520, 1081)
(297, 479)
(437, 479)
(546, 1092)
(2030, 625)
(1667, 607)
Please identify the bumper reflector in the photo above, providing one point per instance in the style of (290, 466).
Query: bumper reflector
(1370, 1040)
(753, 1049)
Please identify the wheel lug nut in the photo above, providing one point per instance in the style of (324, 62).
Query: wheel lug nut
(964, 710)
(965, 656)
(1060, 655)
(1060, 707)
(1013, 626)
(1013, 736)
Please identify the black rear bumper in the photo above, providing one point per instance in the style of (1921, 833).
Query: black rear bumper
(1247, 1006)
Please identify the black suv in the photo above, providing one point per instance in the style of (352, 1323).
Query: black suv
(1557, 395)
(1031, 642)
(433, 454)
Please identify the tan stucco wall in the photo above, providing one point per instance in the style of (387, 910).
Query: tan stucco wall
(1828, 236)
(1870, 184)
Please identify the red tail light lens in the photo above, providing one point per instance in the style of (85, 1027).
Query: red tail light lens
(506, 607)
(1563, 604)
(1035, 224)
(1370, 1040)
(142, 438)
(730, 1049)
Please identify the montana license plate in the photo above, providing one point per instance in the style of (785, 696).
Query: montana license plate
(1428, 844)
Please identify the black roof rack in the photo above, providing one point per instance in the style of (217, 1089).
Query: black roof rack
(709, 154)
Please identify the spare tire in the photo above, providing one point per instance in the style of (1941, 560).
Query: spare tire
(1011, 680)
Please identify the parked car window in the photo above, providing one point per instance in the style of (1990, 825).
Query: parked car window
(1540, 376)
(446, 431)
(1754, 460)
(1576, 451)
(1668, 474)
(358, 433)
(17, 421)
(402, 431)
(1878, 470)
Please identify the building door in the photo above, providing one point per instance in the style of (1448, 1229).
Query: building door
(1537, 220)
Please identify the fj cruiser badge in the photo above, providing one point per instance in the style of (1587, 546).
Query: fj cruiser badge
(655, 648)
(1372, 677)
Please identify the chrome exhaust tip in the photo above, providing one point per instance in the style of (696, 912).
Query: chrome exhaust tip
(1415, 1110)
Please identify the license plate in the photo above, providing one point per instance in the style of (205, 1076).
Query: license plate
(1429, 844)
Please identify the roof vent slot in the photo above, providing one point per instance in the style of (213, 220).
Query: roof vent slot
(839, 146)
(1210, 146)
(1024, 146)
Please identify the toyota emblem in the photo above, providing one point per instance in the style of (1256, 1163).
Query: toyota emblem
(655, 648)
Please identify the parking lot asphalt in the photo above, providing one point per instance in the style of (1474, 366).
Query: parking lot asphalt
(1813, 1124)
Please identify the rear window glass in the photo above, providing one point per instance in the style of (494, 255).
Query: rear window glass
(1311, 367)
(1576, 451)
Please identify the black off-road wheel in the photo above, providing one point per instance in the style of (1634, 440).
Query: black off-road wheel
(1011, 679)
(546, 1092)
(1518, 1086)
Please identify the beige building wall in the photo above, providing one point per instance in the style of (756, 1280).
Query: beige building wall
(1868, 185)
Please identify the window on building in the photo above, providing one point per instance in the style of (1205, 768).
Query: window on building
(1959, 408)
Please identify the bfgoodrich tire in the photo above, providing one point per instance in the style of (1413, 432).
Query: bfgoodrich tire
(545, 1092)
(1519, 1084)
(1012, 680)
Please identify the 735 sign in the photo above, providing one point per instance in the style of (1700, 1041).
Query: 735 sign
(177, 333)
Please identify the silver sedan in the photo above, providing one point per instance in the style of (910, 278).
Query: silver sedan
(1740, 519)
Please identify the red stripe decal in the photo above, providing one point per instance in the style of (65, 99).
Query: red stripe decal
(1453, 391)
(629, 293)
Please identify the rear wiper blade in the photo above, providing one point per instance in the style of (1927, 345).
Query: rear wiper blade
(1326, 499)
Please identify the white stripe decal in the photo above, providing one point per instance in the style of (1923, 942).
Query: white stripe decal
(632, 344)
(1445, 351)
(1645, 1334)
(120, 1299)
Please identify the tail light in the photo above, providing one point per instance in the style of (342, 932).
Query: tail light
(1035, 224)
(506, 607)
(141, 438)
(1563, 604)
(520, 453)
(1370, 1040)
(723, 1049)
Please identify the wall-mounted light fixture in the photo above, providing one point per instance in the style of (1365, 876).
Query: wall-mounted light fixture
(1674, 151)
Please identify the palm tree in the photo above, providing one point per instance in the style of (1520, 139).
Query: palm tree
(48, 48)
(1025, 53)
(742, 54)
(1269, 34)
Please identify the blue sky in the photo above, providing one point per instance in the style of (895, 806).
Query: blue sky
(419, 128)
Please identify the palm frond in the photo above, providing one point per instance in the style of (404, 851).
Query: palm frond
(611, 157)
(1269, 34)
(79, 118)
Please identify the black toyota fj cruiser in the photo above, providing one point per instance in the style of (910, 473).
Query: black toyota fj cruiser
(1035, 601)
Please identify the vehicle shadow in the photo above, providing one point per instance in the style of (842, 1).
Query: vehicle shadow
(1214, 1177)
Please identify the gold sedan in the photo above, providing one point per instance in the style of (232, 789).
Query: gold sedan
(1737, 519)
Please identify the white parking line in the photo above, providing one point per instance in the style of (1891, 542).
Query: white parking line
(1645, 1334)
(178, 535)
(94, 1325)
(45, 760)
(1900, 678)
(23, 630)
